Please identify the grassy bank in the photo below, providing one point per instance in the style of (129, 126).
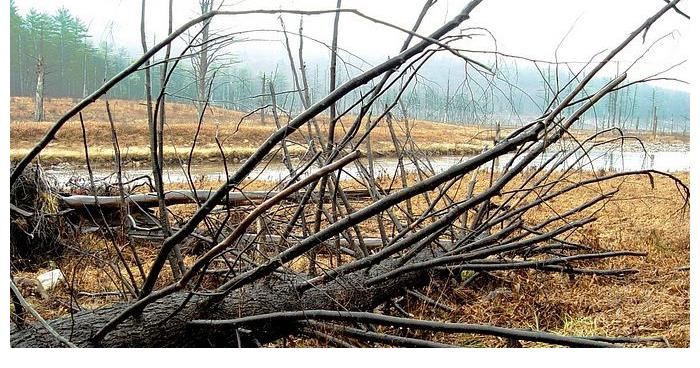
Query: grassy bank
(239, 136)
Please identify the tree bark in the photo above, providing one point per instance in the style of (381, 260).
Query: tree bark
(174, 197)
(39, 96)
(153, 329)
(262, 101)
(202, 66)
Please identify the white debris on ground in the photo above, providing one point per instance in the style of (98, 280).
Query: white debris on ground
(50, 279)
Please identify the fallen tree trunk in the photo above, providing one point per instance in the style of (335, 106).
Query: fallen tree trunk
(370, 243)
(154, 329)
(263, 312)
(175, 197)
(150, 200)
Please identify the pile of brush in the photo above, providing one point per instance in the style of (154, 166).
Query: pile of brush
(35, 224)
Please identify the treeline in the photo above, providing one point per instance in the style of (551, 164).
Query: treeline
(72, 65)
(58, 46)
(519, 92)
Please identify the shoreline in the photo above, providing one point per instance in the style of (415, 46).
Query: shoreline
(140, 156)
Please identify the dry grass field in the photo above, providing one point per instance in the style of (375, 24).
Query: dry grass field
(239, 138)
(653, 302)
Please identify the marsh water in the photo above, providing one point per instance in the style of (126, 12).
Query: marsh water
(669, 158)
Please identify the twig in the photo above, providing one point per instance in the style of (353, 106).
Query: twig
(380, 319)
(38, 317)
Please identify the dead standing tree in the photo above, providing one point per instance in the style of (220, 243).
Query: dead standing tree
(156, 147)
(260, 298)
(202, 62)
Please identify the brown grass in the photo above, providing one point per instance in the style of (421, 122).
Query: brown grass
(239, 141)
(654, 302)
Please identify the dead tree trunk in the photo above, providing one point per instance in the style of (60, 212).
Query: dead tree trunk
(39, 94)
(203, 59)
(154, 329)
(654, 123)
(175, 258)
(174, 197)
(262, 100)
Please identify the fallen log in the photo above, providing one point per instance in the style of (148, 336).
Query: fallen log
(370, 243)
(150, 200)
(273, 307)
(156, 328)
(175, 197)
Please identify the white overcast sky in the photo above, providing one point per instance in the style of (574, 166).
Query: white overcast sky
(530, 28)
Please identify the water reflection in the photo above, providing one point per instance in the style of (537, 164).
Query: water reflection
(387, 166)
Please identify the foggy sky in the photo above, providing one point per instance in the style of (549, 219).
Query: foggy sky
(531, 28)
